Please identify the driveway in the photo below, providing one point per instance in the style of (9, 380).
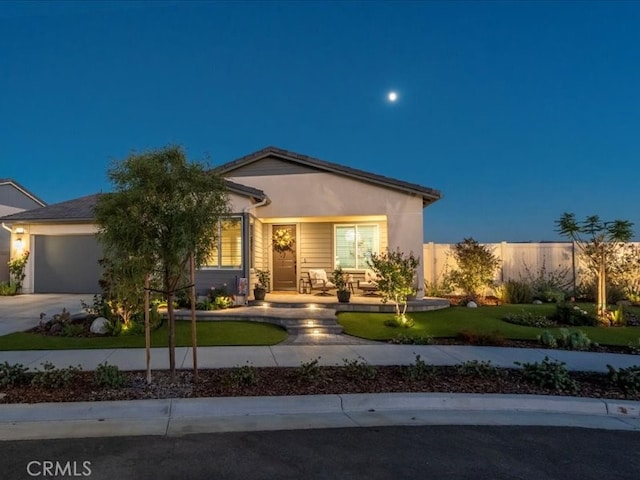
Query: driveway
(21, 312)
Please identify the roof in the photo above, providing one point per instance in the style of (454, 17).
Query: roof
(9, 181)
(76, 210)
(81, 209)
(429, 195)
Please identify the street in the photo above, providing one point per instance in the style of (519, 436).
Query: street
(456, 452)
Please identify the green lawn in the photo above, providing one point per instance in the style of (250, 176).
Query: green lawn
(209, 334)
(483, 320)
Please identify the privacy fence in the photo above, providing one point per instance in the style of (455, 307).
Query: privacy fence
(517, 260)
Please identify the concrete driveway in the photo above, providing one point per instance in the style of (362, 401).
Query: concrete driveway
(22, 312)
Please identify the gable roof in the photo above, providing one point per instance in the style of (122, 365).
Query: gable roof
(81, 209)
(429, 195)
(21, 189)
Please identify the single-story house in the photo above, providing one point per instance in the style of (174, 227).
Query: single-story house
(14, 198)
(329, 216)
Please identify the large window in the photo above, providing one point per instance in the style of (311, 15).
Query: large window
(355, 244)
(228, 253)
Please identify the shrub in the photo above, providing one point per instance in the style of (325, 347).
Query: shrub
(402, 339)
(419, 370)
(529, 319)
(549, 374)
(11, 375)
(73, 330)
(626, 379)
(52, 377)
(109, 376)
(548, 285)
(548, 339)
(477, 369)
(400, 322)
(309, 371)
(634, 347)
(516, 292)
(476, 266)
(8, 289)
(569, 314)
(359, 369)
(245, 376)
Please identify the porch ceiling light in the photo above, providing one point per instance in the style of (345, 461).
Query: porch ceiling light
(19, 230)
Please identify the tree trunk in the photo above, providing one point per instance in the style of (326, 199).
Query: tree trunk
(172, 336)
(194, 339)
(602, 290)
(147, 326)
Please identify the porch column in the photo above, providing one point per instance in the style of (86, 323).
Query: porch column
(405, 233)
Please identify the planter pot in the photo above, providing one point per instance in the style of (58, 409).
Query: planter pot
(344, 296)
(259, 293)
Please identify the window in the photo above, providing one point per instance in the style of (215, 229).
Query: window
(228, 253)
(355, 244)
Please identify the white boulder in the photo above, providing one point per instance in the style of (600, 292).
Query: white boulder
(472, 304)
(99, 325)
(537, 302)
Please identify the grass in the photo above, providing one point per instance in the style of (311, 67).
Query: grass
(487, 320)
(209, 334)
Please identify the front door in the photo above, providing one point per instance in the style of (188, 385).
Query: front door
(284, 257)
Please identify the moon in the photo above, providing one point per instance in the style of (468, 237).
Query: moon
(393, 96)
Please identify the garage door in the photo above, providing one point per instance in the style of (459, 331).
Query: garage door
(66, 264)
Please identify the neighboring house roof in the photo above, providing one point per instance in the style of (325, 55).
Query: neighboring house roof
(17, 186)
(76, 210)
(81, 209)
(429, 195)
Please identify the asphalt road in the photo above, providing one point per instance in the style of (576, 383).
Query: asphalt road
(433, 452)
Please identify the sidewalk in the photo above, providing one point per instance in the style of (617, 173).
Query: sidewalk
(206, 415)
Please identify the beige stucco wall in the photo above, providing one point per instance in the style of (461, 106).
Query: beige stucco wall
(329, 195)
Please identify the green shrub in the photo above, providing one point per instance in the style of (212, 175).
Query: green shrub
(549, 374)
(577, 340)
(634, 347)
(476, 266)
(109, 376)
(244, 376)
(359, 369)
(569, 314)
(72, 330)
(11, 375)
(626, 379)
(309, 371)
(401, 321)
(474, 368)
(419, 370)
(52, 377)
(529, 319)
(548, 339)
(402, 339)
(548, 285)
(8, 289)
(516, 292)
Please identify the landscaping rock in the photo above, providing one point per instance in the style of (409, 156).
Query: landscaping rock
(99, 325)
(472, 304)
(537, 302)
(55, 329)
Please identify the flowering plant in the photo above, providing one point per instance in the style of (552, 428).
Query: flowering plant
(16, 269)
(282, 240)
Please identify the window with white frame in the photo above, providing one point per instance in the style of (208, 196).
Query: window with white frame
(228, 252)
(354, 244)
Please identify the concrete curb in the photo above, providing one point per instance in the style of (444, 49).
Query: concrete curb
(172, 417)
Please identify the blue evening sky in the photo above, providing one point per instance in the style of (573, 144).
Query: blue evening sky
(515, 111)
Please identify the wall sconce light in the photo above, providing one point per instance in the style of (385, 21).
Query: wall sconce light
(17, 244)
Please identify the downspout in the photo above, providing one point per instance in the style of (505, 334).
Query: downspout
(8, 229)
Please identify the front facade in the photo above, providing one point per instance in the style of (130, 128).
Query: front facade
(328, 215)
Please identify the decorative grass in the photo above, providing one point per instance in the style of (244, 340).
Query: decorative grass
(218, 333)
(486, 320)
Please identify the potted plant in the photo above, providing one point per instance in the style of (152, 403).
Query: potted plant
(264, 279)
(340, 280)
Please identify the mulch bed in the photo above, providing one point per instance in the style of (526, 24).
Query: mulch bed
(276, 381)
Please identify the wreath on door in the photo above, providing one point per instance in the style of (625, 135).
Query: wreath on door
(282, 240)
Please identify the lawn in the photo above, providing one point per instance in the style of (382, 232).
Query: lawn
(209, 334)
(449, 322)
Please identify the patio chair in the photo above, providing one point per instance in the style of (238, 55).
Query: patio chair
(318, 281)
(369, 285)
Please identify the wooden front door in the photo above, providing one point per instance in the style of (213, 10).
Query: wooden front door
(284, 259)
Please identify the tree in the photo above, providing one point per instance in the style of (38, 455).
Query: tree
(396, 278)
(476, 267)
(163, 210)
(601, 244)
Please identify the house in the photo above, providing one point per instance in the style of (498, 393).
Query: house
(292, 213)
(13, 198)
